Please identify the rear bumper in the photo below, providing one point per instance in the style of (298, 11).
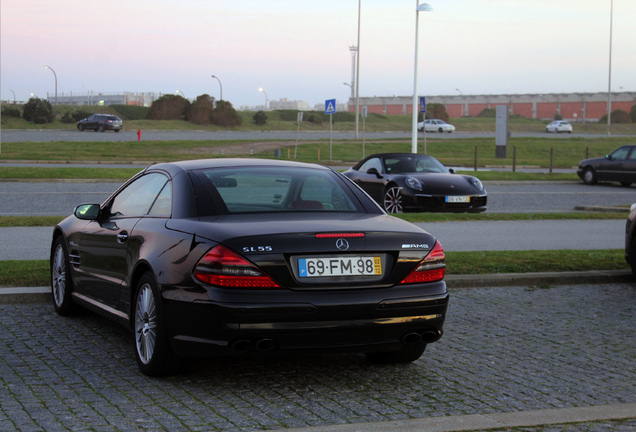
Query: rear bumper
(361, 321)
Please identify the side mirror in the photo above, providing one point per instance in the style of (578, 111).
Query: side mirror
(452, 171)
(87, 211)
(608, 157)
(374, 171)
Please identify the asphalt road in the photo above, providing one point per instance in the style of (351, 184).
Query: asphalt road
(59, 198)
(44, 198)
(154, 135)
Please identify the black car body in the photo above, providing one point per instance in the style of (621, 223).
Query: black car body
(618, 166)
(402, 182)
(229, 256)
(100, 123)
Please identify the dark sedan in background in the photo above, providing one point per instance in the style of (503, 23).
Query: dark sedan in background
(618, 166)
(402, 182)
(100, 123)
(237, 256)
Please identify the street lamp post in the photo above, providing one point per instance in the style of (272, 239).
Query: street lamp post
(609, 81)
(424, 7)
(461, 112)
(352, 91)
(55, 75)
(358, 74)
(182, 94)
(220, 86)
(266, 100)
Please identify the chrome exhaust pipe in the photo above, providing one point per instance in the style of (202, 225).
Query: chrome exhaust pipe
(411, 338)
(241, 346)
(265, 345)
(431, 336)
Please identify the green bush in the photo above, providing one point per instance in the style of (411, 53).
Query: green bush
(168, 107)
(632, 113)
(260, 118)
(488, 113)
(67, 118)
(618, 116)
(288, 115)
(314, 118)
(558, 116)
(38, 111)
(436, 111)
(131, 112)
(200, 112)
(225, 115)
(79, 115)
(10, 112)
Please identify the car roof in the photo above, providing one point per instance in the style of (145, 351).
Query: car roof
(196, 164)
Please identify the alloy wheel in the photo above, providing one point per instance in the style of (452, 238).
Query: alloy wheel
(393, 200)
(145, 324)
(58, 275)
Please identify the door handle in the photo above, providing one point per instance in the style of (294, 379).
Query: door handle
(122, 237)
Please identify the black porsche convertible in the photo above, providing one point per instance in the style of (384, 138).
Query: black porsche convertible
(402, 182)
(240, 256)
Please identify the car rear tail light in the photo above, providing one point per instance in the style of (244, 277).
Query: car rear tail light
(225, 268)
(430, 269)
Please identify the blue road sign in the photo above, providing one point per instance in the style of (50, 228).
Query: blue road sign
(330, 106)
(422, 104)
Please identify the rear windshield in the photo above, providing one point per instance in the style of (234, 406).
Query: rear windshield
(273, 189)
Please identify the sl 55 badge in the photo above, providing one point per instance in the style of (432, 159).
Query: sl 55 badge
(248, 249)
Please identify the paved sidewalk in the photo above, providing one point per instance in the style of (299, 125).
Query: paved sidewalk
(538, 356)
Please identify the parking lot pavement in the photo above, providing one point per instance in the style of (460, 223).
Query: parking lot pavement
(505, 350)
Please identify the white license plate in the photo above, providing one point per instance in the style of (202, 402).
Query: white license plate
(340, 266)
(457, 199)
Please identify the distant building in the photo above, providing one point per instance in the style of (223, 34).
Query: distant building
(286, 104)
(91, 98)
(576, 107)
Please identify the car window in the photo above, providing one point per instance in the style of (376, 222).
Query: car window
(275, 189)
(372, 163)
(620, 154)
(163, 204)
(632, 154)
(137, 198)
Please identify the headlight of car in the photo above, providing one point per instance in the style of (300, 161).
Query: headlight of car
(414, 183)
(477, 183)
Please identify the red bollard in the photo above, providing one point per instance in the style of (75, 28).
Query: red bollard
(139, 135)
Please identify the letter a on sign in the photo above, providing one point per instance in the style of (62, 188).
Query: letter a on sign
(330, 106)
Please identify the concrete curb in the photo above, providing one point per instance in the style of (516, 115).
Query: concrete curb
(497, 421)
(43, 294)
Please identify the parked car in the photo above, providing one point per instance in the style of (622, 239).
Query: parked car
(435, 125)
(618, 166)
(236, 256)
(559, 126)
(100, 122)
(401, 182)
(630, 239)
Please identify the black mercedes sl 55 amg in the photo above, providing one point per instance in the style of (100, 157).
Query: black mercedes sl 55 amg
(238, 256)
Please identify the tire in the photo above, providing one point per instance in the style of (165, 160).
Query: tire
(117, 130)
(589, 176)
(152, 346)
(61, 283)
(100, 128)
(80, 128)
(632, 257)
(440, 130)
(407, 354)
(393, 200)
(626, 184)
